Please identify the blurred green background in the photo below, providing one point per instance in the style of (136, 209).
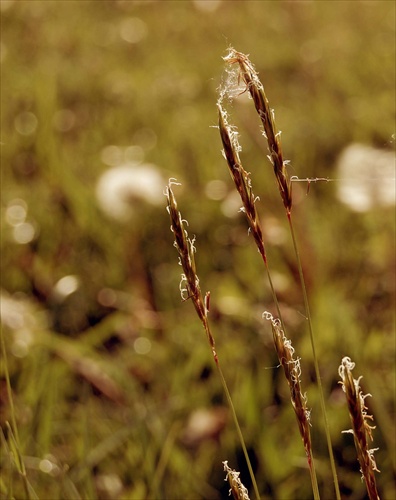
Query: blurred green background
(113, 383)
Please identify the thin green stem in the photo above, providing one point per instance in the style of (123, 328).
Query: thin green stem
(238, 428)
(13, 426)
(316, 363)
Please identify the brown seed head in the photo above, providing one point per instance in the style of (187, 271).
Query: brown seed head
(361, 429)
(238, 490)
(292, 369)
(231, 148)
(189, 285)
(266, 114)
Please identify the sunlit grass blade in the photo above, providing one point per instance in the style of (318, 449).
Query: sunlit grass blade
(12, 428)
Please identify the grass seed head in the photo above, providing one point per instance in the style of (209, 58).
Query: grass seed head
(292, 369)
(361, 429)
(189, 285)
(256, 90)
(237, 489)
(241, 178)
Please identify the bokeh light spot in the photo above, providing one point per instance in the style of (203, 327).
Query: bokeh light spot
(67, 285)
(207, 5)
(133, 30)
(134, 153)
(20, 348)
(16, 212)
(64, 120)
(107, 297)
(24, 233)
(26, 123)
(142, 345)
(216, 190)
(112, 155)
(146, 138)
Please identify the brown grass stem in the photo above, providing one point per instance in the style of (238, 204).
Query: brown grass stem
(243, 184)
(190, 289)
(256, 90)
(242, 181)
(361, 429)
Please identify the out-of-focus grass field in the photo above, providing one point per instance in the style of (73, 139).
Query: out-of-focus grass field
(114, 386)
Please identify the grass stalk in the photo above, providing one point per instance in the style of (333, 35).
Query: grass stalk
(292, 369)
(243, 185)
(13, 427)
(267, 117)
(190, 289)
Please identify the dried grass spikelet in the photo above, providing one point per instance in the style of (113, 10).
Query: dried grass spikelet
(237, 489)
(231, 148)
(266, 114)
(190, 289)
(361, 429)
(189, 285)
(292, 369)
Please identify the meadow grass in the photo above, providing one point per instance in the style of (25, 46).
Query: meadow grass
(112, 383)
(285, 352)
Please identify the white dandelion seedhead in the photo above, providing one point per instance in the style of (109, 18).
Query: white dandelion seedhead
(368, 178)
(121, 191)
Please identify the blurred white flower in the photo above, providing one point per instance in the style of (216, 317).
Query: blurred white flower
(366, 178)
(18, 314)
(66, 286)
(121, 190)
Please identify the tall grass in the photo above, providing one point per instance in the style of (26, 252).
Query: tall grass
(106, 381)
(283, 346)
(267, 117)
(190, 289)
